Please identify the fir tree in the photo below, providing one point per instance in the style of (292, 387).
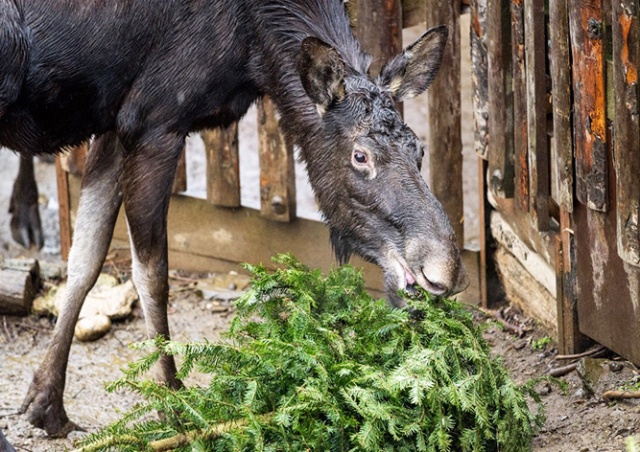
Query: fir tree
(314, 363)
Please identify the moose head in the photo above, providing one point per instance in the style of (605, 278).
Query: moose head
(365, 167)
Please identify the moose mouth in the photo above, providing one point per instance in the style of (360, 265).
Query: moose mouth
(408, 280)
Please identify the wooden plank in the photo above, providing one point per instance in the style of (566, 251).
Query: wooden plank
(378, 26)
(501, 171)
(202, 237)
(570, 339)
(561, 96)
(414, 11)
(68, 164)
(535, 44)
(277, 166)
(180, 181)
(444, 106)
(223, 166)
(520, 110)
(587, 33)
(626, 136)
(479, 74)
(64, 210)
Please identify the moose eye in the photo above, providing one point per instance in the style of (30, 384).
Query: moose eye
(360, 157)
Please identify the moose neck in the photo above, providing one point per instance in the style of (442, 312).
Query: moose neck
(283, 24)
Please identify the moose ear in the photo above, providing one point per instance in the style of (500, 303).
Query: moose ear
(411, 72)
(322, 71)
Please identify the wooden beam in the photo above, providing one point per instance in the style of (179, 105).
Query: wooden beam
(570, 339)
(64, 209)
(444, 107)
(277, 166)
(589, 119)
(520, 108)
(536, 45)
(479, 82)
(68, 164)
(561, 96)
(626, 136)
(180, 181)
(501, 171)
(378, 26)
(223, 167)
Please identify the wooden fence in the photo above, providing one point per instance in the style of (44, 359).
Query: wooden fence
(557, 135)
(558, 80)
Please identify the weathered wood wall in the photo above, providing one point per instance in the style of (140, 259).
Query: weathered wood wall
(563, 152)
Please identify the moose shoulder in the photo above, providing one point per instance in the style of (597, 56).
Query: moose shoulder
(139, 75)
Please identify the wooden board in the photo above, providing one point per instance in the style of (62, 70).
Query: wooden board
(501, 170)
(444, 106)
(378, 27)
(180, 180)
(277, 166)
(536, 45)
(589, 118)
(626, 136)
(562, 141)
(520, 108)
(223, 166)
(479, 80)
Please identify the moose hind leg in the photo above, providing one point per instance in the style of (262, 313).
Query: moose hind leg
(100, 200)
(149, 174)
(23, 207)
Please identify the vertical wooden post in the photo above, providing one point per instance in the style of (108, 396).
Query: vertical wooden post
(536, 46)
(520, 127)
(70, 163)
(561, 95)
(378, 26)
(277, 166)
(223, 167)
(501, 171)
(587, 35)
(626, 136)
(570, 339)
(479, 69)
(180, 181)
(443, 100)
(64, 209)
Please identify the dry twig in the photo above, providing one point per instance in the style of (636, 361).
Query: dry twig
(619, 395)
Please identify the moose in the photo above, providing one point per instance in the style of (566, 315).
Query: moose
(139, 75)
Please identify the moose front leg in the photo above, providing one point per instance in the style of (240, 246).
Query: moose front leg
(100, 200)
(149, 172)
(26, 228)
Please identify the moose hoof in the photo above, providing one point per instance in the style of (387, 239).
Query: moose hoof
(45, 410)
(26, 228)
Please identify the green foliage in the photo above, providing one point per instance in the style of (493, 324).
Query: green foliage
(541, 343)
(314, 363)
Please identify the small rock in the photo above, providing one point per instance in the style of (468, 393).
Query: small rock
(92, 328)
(107, 297)
(545, 389)
(615, 366)
(519, 345)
